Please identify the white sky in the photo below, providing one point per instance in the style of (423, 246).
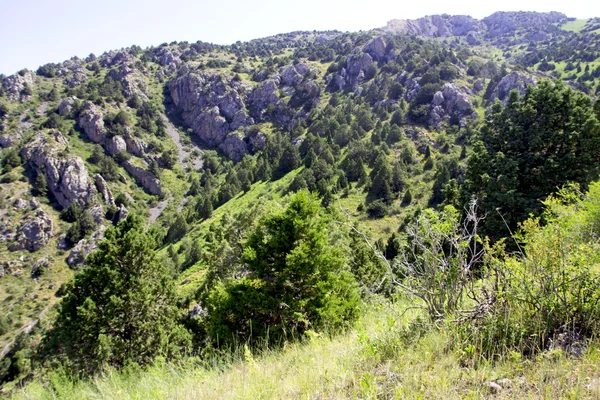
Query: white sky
(34, 32)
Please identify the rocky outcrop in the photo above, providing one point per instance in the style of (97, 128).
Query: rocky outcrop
(115, 145)
(451, 103)
(115, 57)
(376, 48)
(131, 80)
(75, 73)
(513, 81)
(436, 26)
(104, 190)
(34, 233)
(121, 214)
(212, 105)
(502, 22)
(92, 123)
(144, 177)
(66, 106)
(66, 175)
(18, 87)
(84, 247)
(293, 75)
(135, 146)
(354, 73)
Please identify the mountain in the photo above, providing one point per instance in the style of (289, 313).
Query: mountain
(206, 141)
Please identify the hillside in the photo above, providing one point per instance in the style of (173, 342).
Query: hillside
(210, 145)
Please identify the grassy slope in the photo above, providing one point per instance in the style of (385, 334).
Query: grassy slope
(376, 359)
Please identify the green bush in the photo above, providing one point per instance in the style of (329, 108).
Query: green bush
(295, 280)
(548, 296)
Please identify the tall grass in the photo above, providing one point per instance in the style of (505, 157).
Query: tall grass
(387, 355)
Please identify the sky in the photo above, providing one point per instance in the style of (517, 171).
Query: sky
(35, 32)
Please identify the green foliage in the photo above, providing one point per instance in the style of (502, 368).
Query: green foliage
(295, 280)
(529, 148)
(120, 308)
(547, 296)
(84, 224)
(40, 186)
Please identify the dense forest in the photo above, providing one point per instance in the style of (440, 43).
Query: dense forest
(194, 205)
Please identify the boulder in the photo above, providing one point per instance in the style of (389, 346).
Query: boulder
(34, 233)
(104, 190)
(121, 214)
(66, 106)
(376, 48)
(135, 146)
(92, 123)
(115, 145)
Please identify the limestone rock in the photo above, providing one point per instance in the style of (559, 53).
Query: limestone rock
(84, 247)
(104, 190)
(66, 175)
(212, 105)
(66, 106)
(436, 26)
(513, 81)
(144, 177)
(34, 233)
(92, 123)
(502, 22)
(122, 213)
(18, 87)
(376, 48)
(135, 146)
(115, 145)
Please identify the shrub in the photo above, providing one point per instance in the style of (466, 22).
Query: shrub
(295, 280)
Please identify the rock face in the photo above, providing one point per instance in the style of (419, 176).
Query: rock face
(376, 48)
(85, 246)
(500, 23)
(92, 123)
(495, 25)
(18, 87)
(513, 81)
(436, 26)
(144, 177)
(213, 106)
(131, 80)
(34, 233)
(66, 176)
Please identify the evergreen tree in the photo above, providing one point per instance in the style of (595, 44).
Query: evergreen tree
(528, 149)
(295, 280)
(120, 308)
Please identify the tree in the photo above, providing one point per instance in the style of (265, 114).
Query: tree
(528, 149)
(120, 308)
(295, 280)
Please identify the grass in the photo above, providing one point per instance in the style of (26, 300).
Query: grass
(381, 357)
(575, 26)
